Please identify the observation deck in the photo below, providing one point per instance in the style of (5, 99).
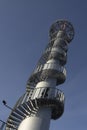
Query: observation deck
(63, 26)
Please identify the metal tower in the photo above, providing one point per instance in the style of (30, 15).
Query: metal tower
(42, 100)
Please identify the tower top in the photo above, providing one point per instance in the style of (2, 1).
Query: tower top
(63, 26)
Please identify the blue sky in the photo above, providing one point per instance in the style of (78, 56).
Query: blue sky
(24, 28)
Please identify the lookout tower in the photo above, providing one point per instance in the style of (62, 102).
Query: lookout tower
(43, 100)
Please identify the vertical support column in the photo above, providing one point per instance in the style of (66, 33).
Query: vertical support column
(40, 122)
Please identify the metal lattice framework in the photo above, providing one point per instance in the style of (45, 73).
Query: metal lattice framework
(64, 26)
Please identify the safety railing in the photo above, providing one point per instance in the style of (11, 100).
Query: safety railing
(42, 92)
(48, 93)
(51, 66)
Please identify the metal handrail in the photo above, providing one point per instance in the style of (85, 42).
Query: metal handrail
(42, 92)
(48, 66)
(48, 92)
